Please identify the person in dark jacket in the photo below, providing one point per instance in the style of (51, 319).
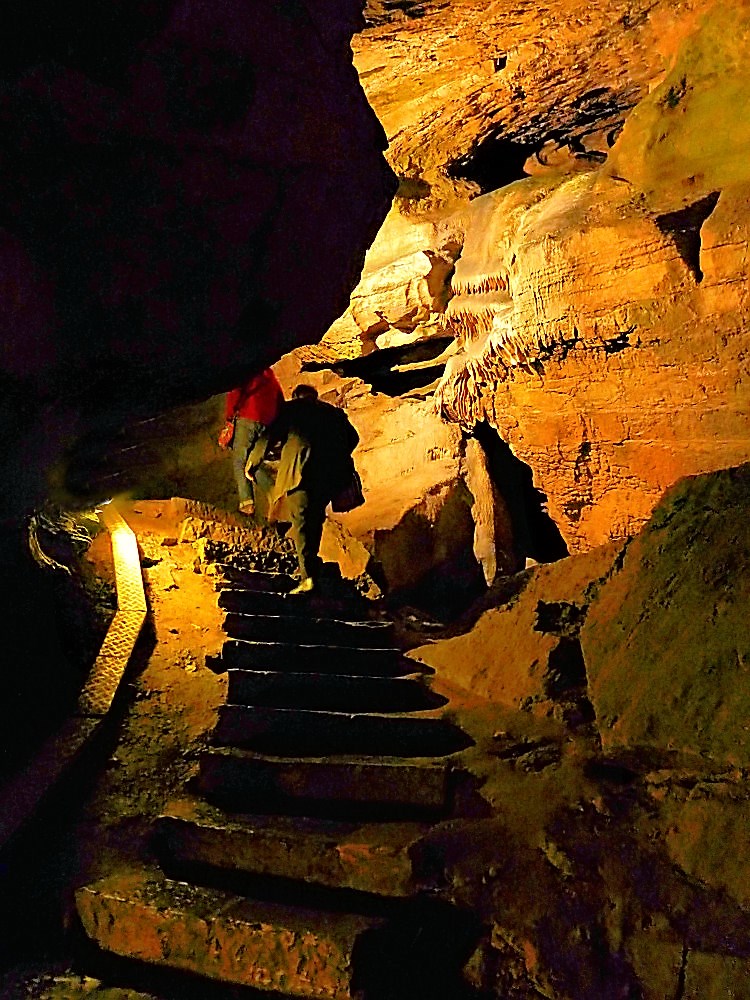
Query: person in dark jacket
(315, 465)
(253, 406)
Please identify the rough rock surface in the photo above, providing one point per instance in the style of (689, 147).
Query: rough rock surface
(597, 288)
(614, 863)
(509, 656)
(457, 77)
(678, 609)
(615, 363)
(189, 190)
(472, 99)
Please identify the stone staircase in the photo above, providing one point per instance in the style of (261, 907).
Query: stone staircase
(291, 866)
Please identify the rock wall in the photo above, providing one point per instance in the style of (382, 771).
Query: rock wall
(613, 757)
(189, 190)
(615, 363)
(596, 292)
(667, 642)
(473, 99)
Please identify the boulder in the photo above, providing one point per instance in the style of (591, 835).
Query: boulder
(513, 651)
(666, 643)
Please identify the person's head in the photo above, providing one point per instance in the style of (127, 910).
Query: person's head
(304, 391)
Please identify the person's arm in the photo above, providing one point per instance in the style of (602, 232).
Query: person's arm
(233, 404)
(268, 439)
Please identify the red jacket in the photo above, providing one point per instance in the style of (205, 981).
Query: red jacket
(258, 399)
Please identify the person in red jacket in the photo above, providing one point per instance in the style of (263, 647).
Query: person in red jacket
(253, 406)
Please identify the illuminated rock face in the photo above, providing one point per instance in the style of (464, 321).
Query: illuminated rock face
(617, 365)
(597, 303)
(432, 528)
(467, 92)
(612, 365)
(472, 99)
(189, 190)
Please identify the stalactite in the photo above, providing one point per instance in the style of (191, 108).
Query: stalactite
(489, 283)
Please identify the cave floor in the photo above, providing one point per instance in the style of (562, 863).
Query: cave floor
(162, 720)
(162, 724)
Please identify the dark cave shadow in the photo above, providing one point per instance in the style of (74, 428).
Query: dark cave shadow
(38, 865)
(535, 534)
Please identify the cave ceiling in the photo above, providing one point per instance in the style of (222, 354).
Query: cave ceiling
(188, 191)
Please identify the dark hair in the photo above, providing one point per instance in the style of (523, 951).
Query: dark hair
(304, 391)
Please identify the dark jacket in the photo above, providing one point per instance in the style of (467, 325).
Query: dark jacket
(317, 444)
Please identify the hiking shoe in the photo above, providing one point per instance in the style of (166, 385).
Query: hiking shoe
(304, 587)
(247, 507)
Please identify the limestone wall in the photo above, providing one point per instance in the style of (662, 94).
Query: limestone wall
(596, 291)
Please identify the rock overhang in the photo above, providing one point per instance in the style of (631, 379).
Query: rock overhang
(185, 200)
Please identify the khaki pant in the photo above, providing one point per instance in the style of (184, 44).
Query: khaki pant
(307, 512)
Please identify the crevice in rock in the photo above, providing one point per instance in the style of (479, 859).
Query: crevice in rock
(610, 771)
(535, 534)
(529, 754)
(682, 976)
(619, 342)
(493, 162)
(600, 107)
(592, 99)
(684, 229)
(566, 668)
(411, 8)
(559, 618)
(388, 370)
(412, 188)
(592, 590)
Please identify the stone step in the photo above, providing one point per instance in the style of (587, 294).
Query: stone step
(332, 588)
(303, 733)
(315, 605)
(301, 952)
(332, 692)
(372, 858)
(251, 579)
(350, 787)
(325, 631)
(243, 654)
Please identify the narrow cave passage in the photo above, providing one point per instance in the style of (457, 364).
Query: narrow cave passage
(394, 371)
(536, 536)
